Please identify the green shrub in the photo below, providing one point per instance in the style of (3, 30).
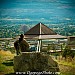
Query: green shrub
(68, 52)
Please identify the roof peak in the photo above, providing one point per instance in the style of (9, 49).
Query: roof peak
(40, 29)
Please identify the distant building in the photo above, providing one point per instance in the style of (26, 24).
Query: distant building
(71, 42)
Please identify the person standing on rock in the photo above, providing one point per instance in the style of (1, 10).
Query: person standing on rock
(21, 44)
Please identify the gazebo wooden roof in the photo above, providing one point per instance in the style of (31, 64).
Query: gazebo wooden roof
(40, 31)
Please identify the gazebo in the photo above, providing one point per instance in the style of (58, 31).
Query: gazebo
(41, 32)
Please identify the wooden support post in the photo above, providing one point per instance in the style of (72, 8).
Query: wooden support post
(39, 45)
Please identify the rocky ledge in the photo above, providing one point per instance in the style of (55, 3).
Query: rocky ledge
(32, 61)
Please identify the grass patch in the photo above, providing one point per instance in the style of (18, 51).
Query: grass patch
(66, 67)
(6, 62)
(65, 63)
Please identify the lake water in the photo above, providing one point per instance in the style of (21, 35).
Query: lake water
(34, 11)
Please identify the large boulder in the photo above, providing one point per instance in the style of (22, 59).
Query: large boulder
(32, 61)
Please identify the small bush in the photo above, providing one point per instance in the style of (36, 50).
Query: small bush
(68, 52)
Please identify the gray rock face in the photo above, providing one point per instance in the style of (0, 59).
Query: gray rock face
(34, 62)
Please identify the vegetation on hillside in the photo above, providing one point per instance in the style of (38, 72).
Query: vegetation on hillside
(9, 31)
(6, 62)
(68, 52)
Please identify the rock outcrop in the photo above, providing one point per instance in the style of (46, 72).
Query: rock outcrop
(34, 62)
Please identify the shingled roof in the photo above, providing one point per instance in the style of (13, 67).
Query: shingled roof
(40, 29)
